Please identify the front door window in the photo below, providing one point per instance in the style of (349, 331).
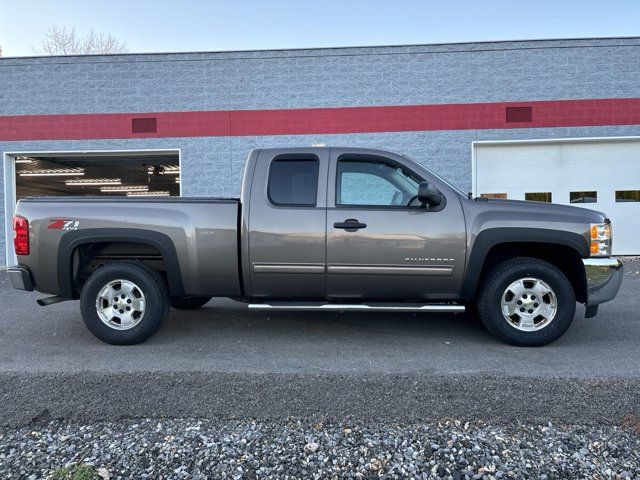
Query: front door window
(375, 183)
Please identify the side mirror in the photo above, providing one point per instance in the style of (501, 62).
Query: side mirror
(428, 195)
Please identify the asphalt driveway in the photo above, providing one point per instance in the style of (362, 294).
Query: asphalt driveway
(228, 360)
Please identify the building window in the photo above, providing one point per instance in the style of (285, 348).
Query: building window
(627, 195)
(293, 182)
(493, 195)
(583, 197)
(538, 197)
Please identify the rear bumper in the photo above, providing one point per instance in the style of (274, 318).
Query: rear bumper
(20, 278)
(604, 276)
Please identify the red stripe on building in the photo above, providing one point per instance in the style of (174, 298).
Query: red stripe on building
(472, 116)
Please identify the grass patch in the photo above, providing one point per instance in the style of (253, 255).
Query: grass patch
(77, 472)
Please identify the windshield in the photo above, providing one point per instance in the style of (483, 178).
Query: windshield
(446, 182)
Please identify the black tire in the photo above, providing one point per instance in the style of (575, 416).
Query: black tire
(189, 303)
(149, 282)
(501, 277)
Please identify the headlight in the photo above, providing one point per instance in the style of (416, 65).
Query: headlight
(600, 240)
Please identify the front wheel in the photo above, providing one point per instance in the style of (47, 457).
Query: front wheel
(124, 303)
(526, 302)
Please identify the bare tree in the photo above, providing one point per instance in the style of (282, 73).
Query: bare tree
(63, 41)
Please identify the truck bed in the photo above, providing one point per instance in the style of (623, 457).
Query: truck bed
(195, 238)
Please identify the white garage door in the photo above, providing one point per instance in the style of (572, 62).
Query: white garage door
(601, 174)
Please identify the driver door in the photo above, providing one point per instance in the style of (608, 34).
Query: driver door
(381, 244)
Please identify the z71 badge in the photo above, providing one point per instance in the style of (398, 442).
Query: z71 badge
(64, 224)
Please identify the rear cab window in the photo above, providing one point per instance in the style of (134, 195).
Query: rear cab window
(293, 181)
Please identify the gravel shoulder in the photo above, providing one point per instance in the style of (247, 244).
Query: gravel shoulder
(197, 449)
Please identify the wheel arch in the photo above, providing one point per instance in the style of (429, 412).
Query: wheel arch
(561, 248)
(71, 242)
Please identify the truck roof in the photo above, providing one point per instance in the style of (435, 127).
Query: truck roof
(324, 148)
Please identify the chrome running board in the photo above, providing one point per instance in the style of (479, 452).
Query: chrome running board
(374, 307)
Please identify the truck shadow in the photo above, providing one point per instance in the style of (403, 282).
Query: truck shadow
(233, 320)
(230, 318)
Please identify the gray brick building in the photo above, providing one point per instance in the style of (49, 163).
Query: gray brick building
(455, 108)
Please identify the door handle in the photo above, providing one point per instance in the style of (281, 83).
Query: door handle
(350, 225)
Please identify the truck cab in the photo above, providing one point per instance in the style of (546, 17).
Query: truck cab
(349, 224)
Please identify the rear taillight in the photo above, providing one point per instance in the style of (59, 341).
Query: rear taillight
(21, 238)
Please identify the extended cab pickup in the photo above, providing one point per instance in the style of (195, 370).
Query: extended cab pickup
(319, 229)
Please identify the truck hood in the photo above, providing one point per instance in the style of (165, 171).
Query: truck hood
(541, 209)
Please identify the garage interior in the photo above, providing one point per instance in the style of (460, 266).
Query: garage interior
(104, 174)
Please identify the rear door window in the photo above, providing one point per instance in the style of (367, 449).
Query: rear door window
(293, 182)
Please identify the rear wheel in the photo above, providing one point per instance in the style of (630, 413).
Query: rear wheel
(189, 303)
(526, 302)
(124, 303)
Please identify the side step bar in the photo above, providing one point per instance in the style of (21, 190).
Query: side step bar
(374, 307)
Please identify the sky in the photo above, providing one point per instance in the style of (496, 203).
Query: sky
(199, 25)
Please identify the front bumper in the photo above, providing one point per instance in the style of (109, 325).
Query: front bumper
(604, 276)
(20, 278)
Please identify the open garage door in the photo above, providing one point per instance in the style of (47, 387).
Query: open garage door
(602, 174)
(132, 174)
(148, 173)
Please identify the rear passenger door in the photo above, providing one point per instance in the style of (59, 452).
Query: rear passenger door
(287, 219)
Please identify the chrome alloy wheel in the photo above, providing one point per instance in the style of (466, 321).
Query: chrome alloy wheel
(120, 304)
(529, 304)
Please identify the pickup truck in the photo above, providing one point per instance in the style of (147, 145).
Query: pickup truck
(336, 229)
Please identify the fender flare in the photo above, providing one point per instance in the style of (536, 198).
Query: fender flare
(487, 239)
(72, 240)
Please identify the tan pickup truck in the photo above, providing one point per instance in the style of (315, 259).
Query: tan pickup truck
(319, 229)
